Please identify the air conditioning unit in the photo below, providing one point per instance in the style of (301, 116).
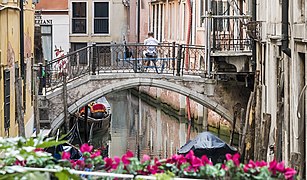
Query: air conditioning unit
(4, 1)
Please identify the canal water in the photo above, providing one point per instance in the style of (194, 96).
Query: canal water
(143, 127)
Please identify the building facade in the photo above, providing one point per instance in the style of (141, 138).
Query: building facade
(96, 21)
(10, 66)
(188, 22)
(281, 62)
(52, 23)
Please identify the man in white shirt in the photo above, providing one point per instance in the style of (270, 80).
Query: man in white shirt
(151, 44)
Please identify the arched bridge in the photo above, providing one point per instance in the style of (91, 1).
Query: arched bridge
(94, 72)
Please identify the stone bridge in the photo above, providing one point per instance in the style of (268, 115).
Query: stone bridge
(220, 96)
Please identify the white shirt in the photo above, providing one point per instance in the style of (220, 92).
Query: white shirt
(151, 41)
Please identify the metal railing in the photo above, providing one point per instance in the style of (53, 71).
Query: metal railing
(229, 33)
(170, 58)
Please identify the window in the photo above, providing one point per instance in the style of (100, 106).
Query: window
(6, 99)
(222, 8)
(46, 34)
(202, 10)
(101, 18)
(79, 17)
(81, 56)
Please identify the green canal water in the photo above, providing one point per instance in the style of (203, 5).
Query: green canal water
(145, 127)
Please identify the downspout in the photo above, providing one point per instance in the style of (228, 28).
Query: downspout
(187, 62)
(285, 28)
(22, 68)
(139, 20)
(188, 39)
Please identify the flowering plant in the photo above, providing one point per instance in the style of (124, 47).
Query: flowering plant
(182, 166)
(20, 152)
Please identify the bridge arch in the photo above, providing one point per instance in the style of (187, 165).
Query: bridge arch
(143, 81)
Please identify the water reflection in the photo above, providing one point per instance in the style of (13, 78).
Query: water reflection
(144, 128)
(141, 128)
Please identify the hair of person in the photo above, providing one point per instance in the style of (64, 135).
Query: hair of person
(150, 33)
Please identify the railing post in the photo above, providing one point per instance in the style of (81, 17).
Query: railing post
(179, 59)
(40, 75)
(173, 56)
(94, 48)
(135, 62)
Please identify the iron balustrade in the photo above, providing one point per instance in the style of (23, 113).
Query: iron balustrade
(171, 58)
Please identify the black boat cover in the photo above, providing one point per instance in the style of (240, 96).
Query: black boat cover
(210, 145)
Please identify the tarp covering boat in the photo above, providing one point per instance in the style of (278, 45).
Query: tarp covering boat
(210, 145)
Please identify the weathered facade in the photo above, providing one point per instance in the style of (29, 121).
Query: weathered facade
(223, 35)
(281, 62)
(10, 66)
(52, 27)
(93, 21)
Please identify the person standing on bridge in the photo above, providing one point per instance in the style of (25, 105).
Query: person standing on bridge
(151, 44)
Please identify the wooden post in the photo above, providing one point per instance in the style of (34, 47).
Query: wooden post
(247, 114)
(235, 114)
(85, 123)
(251, 132)
(66, 120)
(265, 132)
(19, 108)
(241, 126)
(205, 118)
(257, 143)
(35, 103)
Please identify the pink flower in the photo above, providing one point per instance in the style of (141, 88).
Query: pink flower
(223, 166)
(116, 162)
(196, 162)
(20, 163)
(95, 154)
(80, 164)
(190, 155)
(251, 164)
(289, 173)
(205, 160)
(108, 163)
(272, 166)
(38, 149)
(261, 163)
(280, 167)
(176, 159)
(157, 162)
(145, 158)
(234, 158)
(86, 148)
(153, 169)
(65, 155)
(126, 157)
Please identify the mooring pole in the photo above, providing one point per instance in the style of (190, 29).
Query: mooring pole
(66, 120)
(85, 123)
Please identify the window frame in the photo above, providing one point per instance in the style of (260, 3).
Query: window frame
(86, 19)
(73, 48)
(48, 34)
(93, 18)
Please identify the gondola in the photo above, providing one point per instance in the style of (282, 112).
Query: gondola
(98, 117)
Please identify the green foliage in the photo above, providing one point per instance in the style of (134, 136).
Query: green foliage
(165, 176)
(21, 158)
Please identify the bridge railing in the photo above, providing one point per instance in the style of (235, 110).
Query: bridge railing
(171, 58)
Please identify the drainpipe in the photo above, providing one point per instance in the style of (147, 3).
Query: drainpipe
(139, 20)
(285, 28)
(188, 39)
(253, 11)
(22, 68)
(187, 60)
